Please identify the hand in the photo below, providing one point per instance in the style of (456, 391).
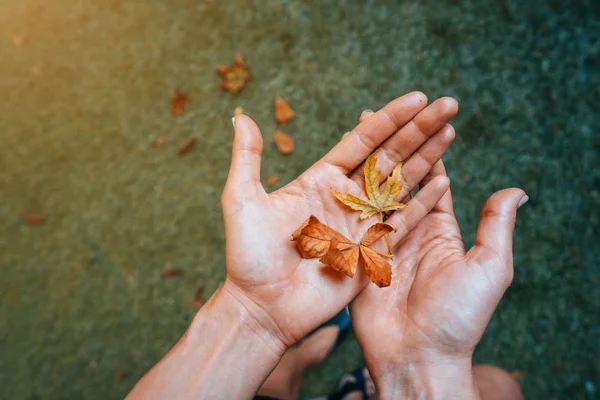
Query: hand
(290, 296)
(420, 333)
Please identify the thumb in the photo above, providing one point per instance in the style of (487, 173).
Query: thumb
(244, 172)
(496, 226)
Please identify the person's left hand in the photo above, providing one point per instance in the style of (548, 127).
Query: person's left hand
(289, 296)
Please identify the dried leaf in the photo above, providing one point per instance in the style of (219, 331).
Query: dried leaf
(284, 142)
(157, 142)
(377, 202)
(171, 271)
(375, 233)
(376, 266)
(317, 240)
(120, 375)
(313, 240)
(271, 180)
(178, 102)
(235, 77)
(283, 111)
(336, 260)
(33, 219)
(186, 146)
(198, 300)
(517, 374)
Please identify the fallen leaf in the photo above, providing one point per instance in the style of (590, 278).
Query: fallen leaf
(198, 300)
(317, 240)
(120, 375)
(313, 240)
(18, 40)
(284, 142)
(171, 271)
(271, 180)
(517, 374)
(238, 111)
(377, 202)
(235, 77)
(33, 219)
(186, 146)
(178, 102)
(283, 111)
(157, 142)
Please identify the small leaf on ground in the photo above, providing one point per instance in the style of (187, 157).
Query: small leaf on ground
(157, 142)
(171, 271)
(284, 142)
(198, 300)
(236, 77)
(186, 146)
(178, 102)
(283, 111)
(33, 219)
(271, 180)
(120, 375)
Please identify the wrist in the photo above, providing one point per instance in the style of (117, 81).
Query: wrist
(233, 311)
(226, 353)
(434, 379)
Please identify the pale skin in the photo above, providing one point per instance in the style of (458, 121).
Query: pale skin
(272, 298)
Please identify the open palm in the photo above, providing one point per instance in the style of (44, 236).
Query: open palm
(442, 297)
(264, 269)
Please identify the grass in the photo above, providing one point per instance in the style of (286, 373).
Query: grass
(86, 87)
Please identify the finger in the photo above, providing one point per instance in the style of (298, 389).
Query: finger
(445, 203)
(364, 115)
(424, 201)
(362, 140)
(496, 226)
(421, 162)
(411, 136)
(244, 173)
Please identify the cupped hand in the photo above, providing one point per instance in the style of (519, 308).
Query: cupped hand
(441, 299)
(291, 296)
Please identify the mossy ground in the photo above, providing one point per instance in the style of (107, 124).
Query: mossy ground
(85, 86)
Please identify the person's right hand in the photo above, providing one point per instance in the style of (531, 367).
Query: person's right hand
(418, 335)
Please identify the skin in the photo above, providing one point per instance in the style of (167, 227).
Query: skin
(440, 300)
(272, 298)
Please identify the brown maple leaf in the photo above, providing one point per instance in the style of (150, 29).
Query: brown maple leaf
(377, 202)
(317, 240)
(283, 111)
(178, 102)
(235, 77)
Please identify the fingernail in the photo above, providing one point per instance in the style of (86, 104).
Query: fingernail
(233, 122)
(368, 110)
(523, 201)
(345, 134)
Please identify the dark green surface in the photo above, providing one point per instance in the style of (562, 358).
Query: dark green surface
(85, 86)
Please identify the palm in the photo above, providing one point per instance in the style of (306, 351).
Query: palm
(264, 265)
(270, 265)
(441, 297)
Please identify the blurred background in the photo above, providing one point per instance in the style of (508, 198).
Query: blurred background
(86, 86)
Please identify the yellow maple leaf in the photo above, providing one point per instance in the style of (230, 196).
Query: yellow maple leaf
(377, 202)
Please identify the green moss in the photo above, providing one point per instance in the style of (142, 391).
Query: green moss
(86, 86)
